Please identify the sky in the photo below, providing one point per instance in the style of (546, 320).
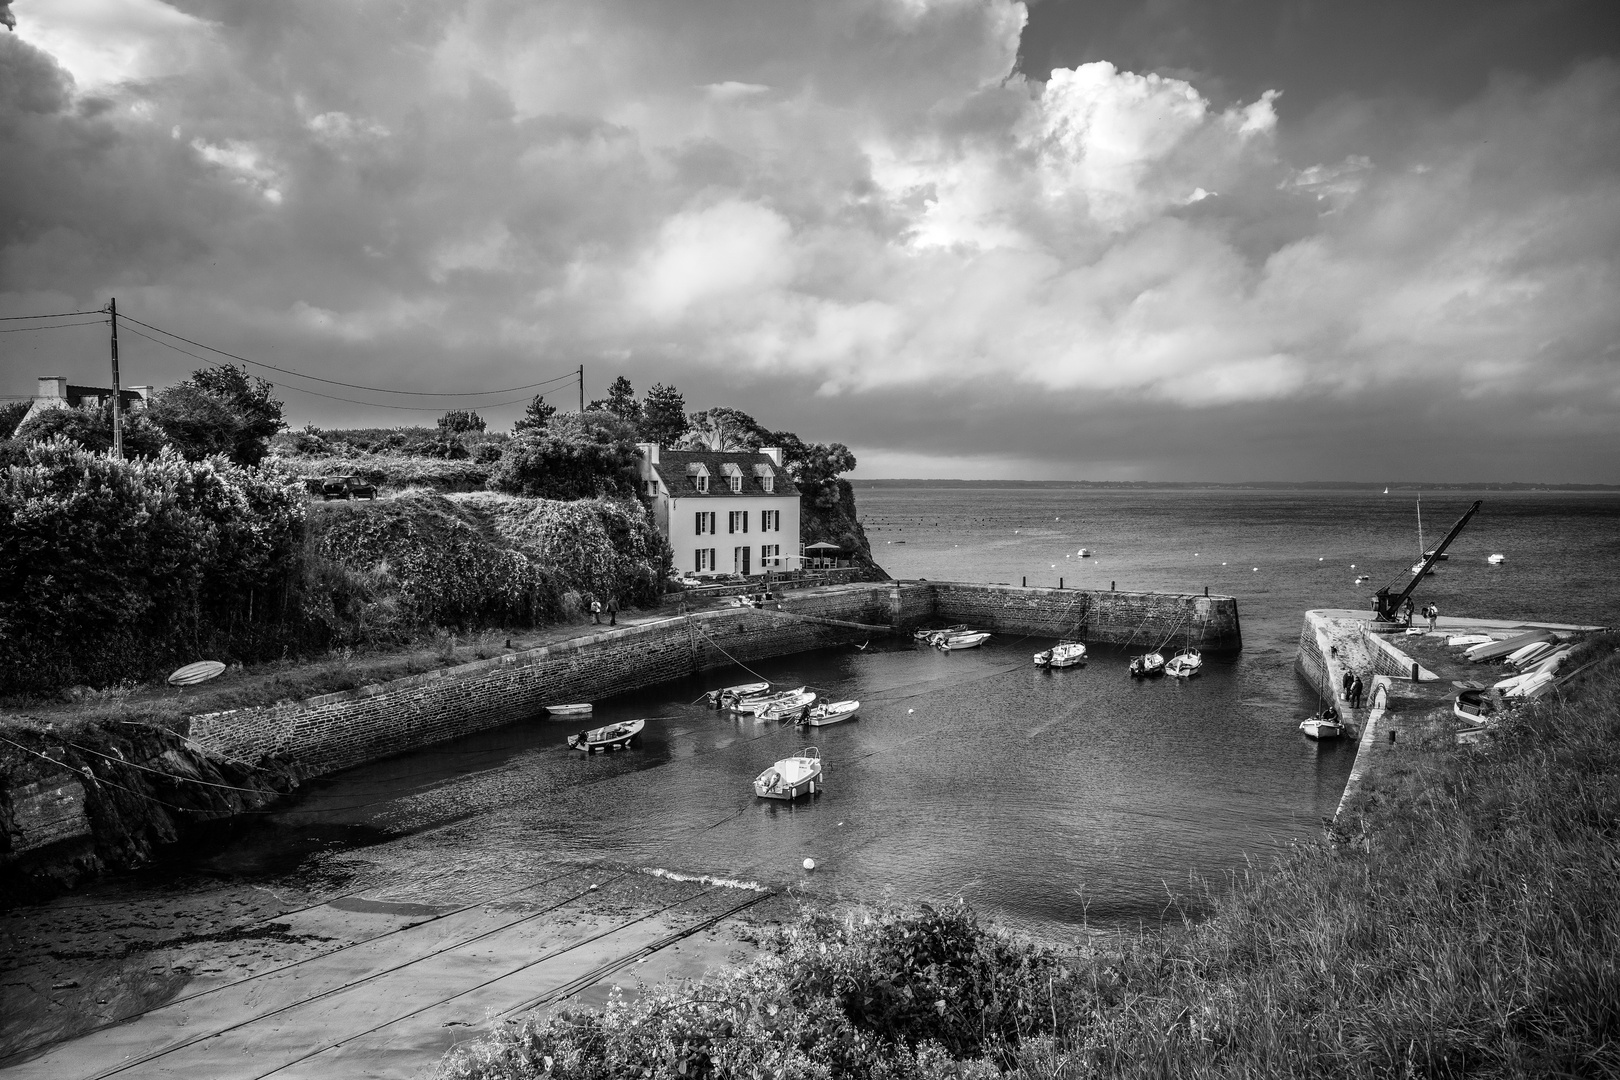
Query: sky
(1221, 240)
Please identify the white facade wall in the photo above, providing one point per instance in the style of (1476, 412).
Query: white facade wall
(729, 514)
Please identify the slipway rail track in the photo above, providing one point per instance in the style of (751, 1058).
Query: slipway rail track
(382, 1005)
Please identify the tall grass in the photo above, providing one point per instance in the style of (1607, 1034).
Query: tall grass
(1460, 920)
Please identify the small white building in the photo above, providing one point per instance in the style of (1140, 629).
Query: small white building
(723, 512)
(55, 392)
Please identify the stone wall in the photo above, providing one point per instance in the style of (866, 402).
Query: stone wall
(323, 734)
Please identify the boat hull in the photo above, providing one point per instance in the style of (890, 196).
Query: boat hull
(835, 713)
(611, 737)
(790, 778)
(577, 709)
(1321, 729)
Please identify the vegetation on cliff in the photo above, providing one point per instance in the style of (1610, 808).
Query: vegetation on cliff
(1459, 921)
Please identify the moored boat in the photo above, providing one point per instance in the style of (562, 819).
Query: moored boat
(1185, 664)
(723, 698)
(791, 776)
(1147, 665)
(962, 641)
(611, 737)
(1323, 725)
(1496, 560)
(789, 706)
(756, 705)
(578, 708)
(831, 712)
(943, 631)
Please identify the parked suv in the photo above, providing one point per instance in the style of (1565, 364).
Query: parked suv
(341, 487)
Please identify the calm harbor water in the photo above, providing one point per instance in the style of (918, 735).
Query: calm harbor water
(1046, 799)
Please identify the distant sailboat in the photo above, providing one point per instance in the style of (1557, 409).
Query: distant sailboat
(1386, 491)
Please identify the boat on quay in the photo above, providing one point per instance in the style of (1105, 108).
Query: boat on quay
(791, 776)
(1063, 654)
(831, 712)
(1476, 706)
(1185, 664)
(612, 737)
(962, 641)
(1147, 665)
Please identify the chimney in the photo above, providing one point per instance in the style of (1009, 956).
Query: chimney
(144, 391)
(649, 452)
(53, 386)
(774, 453)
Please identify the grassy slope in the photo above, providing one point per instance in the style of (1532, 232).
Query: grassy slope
(1460, 921)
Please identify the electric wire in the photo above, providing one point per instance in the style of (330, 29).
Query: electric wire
(58, 315)
(351, 386)
(53, 326)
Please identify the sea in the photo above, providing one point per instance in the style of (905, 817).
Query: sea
(1059, 802)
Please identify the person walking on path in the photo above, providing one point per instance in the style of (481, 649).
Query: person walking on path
(1356, 690)
(596, 611)
(1433, 612)
(613, 611)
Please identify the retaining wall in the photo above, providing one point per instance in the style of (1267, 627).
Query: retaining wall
(324, 734)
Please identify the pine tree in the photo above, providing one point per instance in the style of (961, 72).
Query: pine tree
(535, 417)
(621, 401)
(663, 415)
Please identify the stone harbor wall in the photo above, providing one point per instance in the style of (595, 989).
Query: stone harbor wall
(324, 734)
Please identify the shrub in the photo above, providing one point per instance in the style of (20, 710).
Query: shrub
(218, 410)
(577, 456)
(604, 547)
(116, 569)
(92, 429)
(458, 421)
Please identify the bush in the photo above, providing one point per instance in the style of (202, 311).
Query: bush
(115, 570)
(92, 429)
(218, 410)
(604, 547)
(577, 456)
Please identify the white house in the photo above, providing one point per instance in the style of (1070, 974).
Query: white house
(55, 392)
(726, 512)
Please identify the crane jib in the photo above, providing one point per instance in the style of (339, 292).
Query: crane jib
(1387, 606)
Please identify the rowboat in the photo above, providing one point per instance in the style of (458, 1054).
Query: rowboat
(791, 777)
(1324, 725)
(192, 674)
(930, 636)
(1185, 664)
(720, 699)
(832, 712)
(1063, 654)
(788, 706)
(1147, 665)
(1474, 706)
(756, 706)
(611, 737)
(579, 708)
(962, 641)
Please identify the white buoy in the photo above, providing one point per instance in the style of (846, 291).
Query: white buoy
(911, 710)
(809, 864)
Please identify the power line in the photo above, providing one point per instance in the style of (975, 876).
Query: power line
(335, 397)
(56, 326)
(352, 386)
(58, 315)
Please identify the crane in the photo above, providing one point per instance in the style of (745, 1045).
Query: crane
(1388, 607)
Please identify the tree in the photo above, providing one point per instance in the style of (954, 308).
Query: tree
(723, 428)
(219, 410)
(11, 414)
(621, 401)
(577, 456)
(459, 421)
(535, 417)
(663, 415)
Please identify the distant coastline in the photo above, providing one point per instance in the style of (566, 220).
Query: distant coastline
(1256, 485)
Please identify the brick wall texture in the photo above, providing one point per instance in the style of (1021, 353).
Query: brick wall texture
(324, 734)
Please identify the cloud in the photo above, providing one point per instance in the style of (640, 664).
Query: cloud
(819, 212)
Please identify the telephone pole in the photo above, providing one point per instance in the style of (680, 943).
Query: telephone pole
(118, 393)
(582, 388)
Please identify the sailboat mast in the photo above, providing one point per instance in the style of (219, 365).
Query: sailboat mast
(1420, 525)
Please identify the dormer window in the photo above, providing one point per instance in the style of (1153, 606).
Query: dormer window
(699, 475)
(734, 475)
(703, 481)
(736, 482)
(766, 477)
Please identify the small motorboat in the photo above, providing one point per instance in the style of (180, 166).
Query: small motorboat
(962, 641)
(1185, 664)
(578, 708)
(929, 636)
(791, 777)
(612, 737)
(1085, 553)
(788, 706)
(755, 706)
(831, 712)
(1323, 725)
(1063, 654)
(1496, 560)
(1362, 579)
(1147, 665)
(722, 699)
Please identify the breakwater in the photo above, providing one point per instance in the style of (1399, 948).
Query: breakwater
(324, 734)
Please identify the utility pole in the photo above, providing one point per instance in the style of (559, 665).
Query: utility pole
(582, 388)
(118, 394)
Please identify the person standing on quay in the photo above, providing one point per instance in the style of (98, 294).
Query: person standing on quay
(596, 611)
(613, 611)
(1356, 690)
(1433, 612)
(1349, 677)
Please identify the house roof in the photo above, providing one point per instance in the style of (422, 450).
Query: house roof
(675, 469)
(77, 393)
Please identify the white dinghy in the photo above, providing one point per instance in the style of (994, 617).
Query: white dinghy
(791, 777)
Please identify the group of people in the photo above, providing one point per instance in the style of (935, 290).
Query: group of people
(1430, 611)
(612, 609)
(1354, 688)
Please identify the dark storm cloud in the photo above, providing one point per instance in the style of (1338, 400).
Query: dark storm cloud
(854, 220)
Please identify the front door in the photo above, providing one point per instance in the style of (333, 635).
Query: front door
(741, 557)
